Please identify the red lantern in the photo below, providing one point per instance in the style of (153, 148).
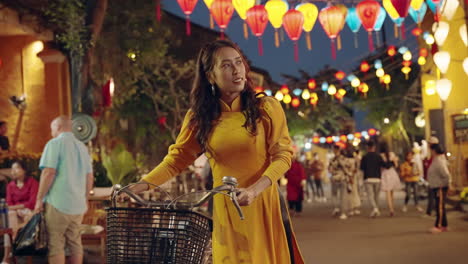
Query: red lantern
(357, 135)
(158, 10)
(417, 32)
(293, 21)
(222, 10)
(257, 19)
(187, 6)
(312, 84)
(343, 138)
(406, 63)
(107, 92)
(316, 140)
(391, 51)
(329, 140)
(284, 89)
(372, 132)
(365, 67)
(402, 7)
(423, 52)
(368, 11)
(340, 75)
(332, 20)
(295, 102)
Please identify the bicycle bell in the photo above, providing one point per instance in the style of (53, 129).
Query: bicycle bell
(230, 180)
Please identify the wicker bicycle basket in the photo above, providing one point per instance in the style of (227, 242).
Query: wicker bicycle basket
(154, 235)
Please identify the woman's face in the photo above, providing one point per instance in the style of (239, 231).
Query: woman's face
(409, 156)
(228, 72)
(17, 171)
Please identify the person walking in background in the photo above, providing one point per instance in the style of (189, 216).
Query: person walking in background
(66, 180)
(390, 179)
(317, 167)
(427, 161)
(355, 194)
(410, 174)
(439, 179)
(342, 168)
(371, 165)
(309, 189)
(296, 182)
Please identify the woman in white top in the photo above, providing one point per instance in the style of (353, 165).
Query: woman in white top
(390, 179)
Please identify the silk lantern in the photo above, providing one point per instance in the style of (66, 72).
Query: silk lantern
(391, 11)
(450, 7)
(293, 21)
(257, 19)
(276, 10)
(208, 5)
(418, 15)
(379, 23)
(441, 30)
(354, 23)
(402, 7)
(463, 34)
(416, 4)
(399, 27)
(310, 13)
(344, 11)
(442, 60)
(465, 65)
(241, 7)
(187, 7)
(222, 11)
(368, 11)
(332, 20)
(434, 6)
(443, 88)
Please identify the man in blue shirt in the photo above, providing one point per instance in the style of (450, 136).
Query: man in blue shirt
(66, 180)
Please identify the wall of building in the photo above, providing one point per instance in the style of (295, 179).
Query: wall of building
(458, 99)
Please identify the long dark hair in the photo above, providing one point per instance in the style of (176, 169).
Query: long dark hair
(22, 164)
(205, 103)
(385, 149)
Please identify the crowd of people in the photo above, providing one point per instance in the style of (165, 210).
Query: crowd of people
(353, 177)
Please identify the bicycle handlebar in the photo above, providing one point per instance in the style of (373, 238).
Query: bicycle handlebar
(229, 186)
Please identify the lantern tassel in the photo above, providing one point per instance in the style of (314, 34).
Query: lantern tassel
(355, 41)
(158, 10)
(395, 29)
(296, 51)
(282, 35)
(333, 48)
(371, 42)
(260, 46)
(246, 31)
(187, 26)
(211, 22)
(377, 36)
(309, 42)
(277, 43)
(339, 42)
(403, 31)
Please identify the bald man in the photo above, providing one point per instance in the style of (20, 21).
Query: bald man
(66, 180)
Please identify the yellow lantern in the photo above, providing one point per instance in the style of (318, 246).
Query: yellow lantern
(421, 60)
(407, 55)
(380, 72)
(344, 11)
(279, 96)
(391, 11)
(241, 7)
(416, 4)
(287, 99)
(314, 99)
(355, 82)
(208, 4)
(332, 90)
(310, 12)
(406, 70)
(342, 92)
(387, 79)
(276, 10)
(430, 87)
(306, 94)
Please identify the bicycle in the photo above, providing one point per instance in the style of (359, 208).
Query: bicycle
(168, 232)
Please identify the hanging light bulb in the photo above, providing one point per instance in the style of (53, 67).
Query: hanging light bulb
(442, 60)
(441, 30)
(444, 87)
(463, 35)
(332, 90)
(465, 65)
(430, 87)
(407, 55)
(450, 7)
(279, 96)
(306, 94)
(380, 72)
(406, 70)
(429, 39)
(355, 82)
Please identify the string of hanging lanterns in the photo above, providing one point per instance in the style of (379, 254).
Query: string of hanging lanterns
(333, 17)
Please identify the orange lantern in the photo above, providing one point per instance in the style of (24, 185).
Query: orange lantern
(293, 21)
(310, 13)
(344, 11)
(257, 19)
(368, 11)
(284, 89)
(391, 51)
(222, 11)
(187, 7)
(316, 140)
(313, 99)
(365, 67)
(208, 5)
(276, 10)
(357, 135)
(258, 89)
(312, 84)
(241, 7)
(340, 75)
(372, 132)
(329, 140)
(343, 138)
(332, 20)
(295, 102)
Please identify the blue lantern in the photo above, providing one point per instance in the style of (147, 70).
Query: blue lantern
(268, 92)
(377, 64)
(354, 23)
(325, 86)
(418, 15)
(297, 92)
(433, 6)
(379, 23)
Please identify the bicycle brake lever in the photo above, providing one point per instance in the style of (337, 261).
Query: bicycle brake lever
(236, 204)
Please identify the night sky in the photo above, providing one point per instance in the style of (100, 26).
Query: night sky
(281, 60)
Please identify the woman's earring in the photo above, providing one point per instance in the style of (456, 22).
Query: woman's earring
(213, 90)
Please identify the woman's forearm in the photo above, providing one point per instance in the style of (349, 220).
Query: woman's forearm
(260, 185)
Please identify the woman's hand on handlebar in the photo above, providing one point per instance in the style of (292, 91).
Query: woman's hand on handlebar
(137, 188)
(245, 196)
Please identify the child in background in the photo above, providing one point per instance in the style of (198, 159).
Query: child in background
(410, 174)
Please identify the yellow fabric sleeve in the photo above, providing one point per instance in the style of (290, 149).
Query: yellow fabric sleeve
(278, 141)
(180, 155)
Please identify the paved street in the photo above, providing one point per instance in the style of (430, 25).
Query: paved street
(360, 239)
